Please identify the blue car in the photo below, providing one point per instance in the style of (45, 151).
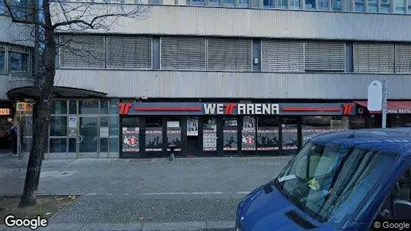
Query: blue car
(351, 181)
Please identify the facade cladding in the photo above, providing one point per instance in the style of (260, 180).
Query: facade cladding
(228, 77)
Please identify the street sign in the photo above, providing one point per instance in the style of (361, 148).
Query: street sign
(375, 96)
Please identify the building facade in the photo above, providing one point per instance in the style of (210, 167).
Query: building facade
(16, 47)
(228, 77)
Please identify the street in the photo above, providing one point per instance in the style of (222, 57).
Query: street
(189, 193)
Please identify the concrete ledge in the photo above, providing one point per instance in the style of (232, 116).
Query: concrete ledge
(175, 226)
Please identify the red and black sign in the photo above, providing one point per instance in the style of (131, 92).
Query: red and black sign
(142, 108)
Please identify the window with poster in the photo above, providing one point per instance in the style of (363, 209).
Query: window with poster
(289, 132)
(230, 139)
(316, 125)
(154, 134)
(210, 134)
(174, 134)
(267, 133)
(130, 129)
(248, 133)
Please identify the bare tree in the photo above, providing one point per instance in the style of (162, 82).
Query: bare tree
(50, 18)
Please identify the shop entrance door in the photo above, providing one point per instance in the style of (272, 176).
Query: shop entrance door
(88, 136)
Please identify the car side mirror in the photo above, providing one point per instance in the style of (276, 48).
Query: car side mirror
(402, 209)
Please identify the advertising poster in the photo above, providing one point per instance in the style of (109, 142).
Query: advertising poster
(267, 139)
(290, 139)
(248, 142)
(249, 122)
(174, 137)
(154, 139)
(192, 127)
(209, 139)
(72, 126)
(131, 139)
(230, 139)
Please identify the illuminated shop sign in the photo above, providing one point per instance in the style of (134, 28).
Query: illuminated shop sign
(4, 111)
(146, 108)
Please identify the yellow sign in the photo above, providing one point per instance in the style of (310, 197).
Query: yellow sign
(4, 111)
(24, 107)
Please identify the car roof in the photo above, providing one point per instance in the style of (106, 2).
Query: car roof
(395, 140)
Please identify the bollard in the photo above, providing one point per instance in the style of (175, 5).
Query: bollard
(172, 157)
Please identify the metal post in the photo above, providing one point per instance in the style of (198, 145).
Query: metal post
(384, 103)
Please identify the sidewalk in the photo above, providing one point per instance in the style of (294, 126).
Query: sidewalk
(146, 194)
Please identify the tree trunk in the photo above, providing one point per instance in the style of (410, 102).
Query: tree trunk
(44, 105)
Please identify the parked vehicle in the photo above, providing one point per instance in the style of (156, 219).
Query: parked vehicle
(339, 181)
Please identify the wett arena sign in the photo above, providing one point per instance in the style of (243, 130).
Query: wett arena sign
(143, 108)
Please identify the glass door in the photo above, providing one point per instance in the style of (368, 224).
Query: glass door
(88, 136)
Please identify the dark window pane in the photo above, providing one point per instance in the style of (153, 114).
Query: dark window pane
(58, 145)
(89, 107)
(113, 144)
(104, 145)
(58, 126)
(132, 122)
(113, 126)
(310, 4)
(72, 107)
(60, 107)
(2, 67)
(268, 3)
(18, 62)
(104, 107)
(72, 144)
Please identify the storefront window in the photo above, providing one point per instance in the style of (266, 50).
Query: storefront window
(267, 133)
(248, 133)
(113, 144)
(154, 134)
(129, 122)
(58, 145)
(402, 120)
(104, 107)
(114, 106)
(316, 125)
(290, 133)
(113, 126)
(210, 134)
(60, 107)
(88, 107)
(230, 139)
(174, 133)
(72, 107)
(58, 126)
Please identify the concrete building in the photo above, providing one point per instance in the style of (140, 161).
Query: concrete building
(228, 77)
(16, 47)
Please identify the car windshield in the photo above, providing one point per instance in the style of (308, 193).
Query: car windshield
(330, 181)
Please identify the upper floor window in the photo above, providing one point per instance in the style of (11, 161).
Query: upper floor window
(18, 62)
(373, 58)
(399, 6)
(385, 6)
(336, 5)
(2, 60)
(323, 4)
(372, 6)
(359, 6)
(243, 3)
(197, 2)
(214, 2)
(295, 4)
(268, 3)
(409, 7)
(310, 4)
(282, 4)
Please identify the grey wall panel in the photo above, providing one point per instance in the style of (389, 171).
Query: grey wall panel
(4, 83)
(266, 24)
(15, 33)
(236, 85)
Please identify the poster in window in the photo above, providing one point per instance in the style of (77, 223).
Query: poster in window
(248, 141)
(290, 139)
(230, 139)
(192, 127)
(131, 139)
(309, 133)
(174, 137)
(209, 139)
(267, 139)
(154, 139)
(249, 122)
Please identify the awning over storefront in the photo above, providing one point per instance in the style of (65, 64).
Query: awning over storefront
(59, 92)
(393, 107)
